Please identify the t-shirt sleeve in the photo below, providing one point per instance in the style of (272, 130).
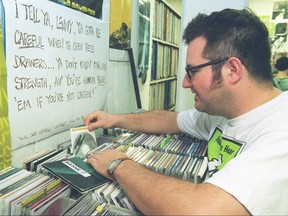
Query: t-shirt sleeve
(195, 123)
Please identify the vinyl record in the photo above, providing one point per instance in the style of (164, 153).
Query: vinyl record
(281, 29)
(87, 144)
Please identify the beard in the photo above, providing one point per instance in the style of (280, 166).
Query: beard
(217, 101)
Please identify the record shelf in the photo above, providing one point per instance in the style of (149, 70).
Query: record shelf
(166, 23)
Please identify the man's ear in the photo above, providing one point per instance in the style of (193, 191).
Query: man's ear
(235, 68)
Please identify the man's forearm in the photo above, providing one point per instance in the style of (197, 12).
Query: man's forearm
(162, 122)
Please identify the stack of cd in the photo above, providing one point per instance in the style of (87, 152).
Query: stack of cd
(178, 144)
(28, 193)
(91, 204)
(182, 156)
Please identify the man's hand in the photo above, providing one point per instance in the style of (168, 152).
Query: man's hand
(99, 119)
(100, 160)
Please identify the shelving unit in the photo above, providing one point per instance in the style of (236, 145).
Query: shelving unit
(165, 23)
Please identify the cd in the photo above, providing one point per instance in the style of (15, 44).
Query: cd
(86, 144)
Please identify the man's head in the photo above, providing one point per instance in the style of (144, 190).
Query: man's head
(282, 63)
(233, 33)
(228, 62)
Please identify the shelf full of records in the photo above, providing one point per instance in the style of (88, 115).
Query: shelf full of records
(163, 95)
(165, 38)
(41, 188)
(164, 61)
(166, 22)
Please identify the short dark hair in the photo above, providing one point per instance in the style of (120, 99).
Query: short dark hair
(282, 63)
(238, 33)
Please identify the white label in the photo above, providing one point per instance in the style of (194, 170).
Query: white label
(77, 169)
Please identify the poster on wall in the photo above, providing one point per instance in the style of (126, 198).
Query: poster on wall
(5, 143)
(56, 68)
(280, 10)
(279, 18)
(120, 23)
(279, 40)
(144, 39)
(91, 7)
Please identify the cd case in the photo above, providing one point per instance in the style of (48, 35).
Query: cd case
(77, 173)
(82, 141)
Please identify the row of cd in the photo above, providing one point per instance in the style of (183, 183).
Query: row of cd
(178, 144)
(30, 190)
(113, 194)
(23, 192)
(35, 162)
(28, 193)
(90, 204)
(181, 166)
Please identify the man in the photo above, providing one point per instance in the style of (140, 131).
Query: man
(238, 110)
(281, 79)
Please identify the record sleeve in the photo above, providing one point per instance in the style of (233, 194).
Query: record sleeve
(26, 162)
(64, 192)
(10, 181)
(58, 207)
(35, 163)
(31, 196)
(77, 173)
(9, 172)
(20, 190)
(60, 156)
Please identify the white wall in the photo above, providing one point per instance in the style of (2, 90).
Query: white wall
(261, 7)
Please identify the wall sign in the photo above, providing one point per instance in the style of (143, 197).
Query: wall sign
(56, 67)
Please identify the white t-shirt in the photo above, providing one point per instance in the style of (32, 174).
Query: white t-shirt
(247, 155)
